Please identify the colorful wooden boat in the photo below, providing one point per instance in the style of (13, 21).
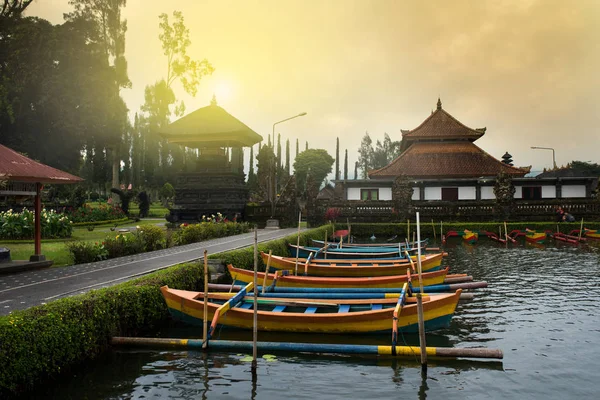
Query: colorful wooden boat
(310, 315)
(392, 246)
(534, 236)
(350, 268)
(470, 236)
(350, 252)
(243, 277)
(591, 233)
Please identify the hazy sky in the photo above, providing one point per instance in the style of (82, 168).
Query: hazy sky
(528, 70)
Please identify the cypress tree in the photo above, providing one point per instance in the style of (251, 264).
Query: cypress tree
(297, 147)
(346, 166)
(287, 156)
(251, 170)
(337, 158)
(356, 170)
(306, 148)
(279, 150)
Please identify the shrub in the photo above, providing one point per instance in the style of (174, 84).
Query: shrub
(153, 236)
(21, 225)
(94, 196)
(85, 252)
(104, 212)
(193, 233)
(144, 204)
(332, 214)
(124, 244)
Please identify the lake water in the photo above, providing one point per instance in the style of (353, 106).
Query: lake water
(540, 309)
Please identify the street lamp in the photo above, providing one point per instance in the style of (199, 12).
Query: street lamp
(547, 148)
(302, 114)
(272, 174)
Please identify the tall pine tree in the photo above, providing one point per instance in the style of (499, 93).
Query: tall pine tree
(337, 158)
(287, 156)
(346, 166)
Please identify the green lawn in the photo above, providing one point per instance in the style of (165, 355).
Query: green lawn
(156, 209)
(56, 250)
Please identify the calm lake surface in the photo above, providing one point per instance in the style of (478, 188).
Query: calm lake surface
(540, 309)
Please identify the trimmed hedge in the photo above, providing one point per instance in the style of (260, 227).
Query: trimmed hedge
(41, 342)
(95, 223)
(389, 230)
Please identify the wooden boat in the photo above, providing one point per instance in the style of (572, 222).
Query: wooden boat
(243, 277)
(350, 268)
(591, 233)
(391, 246)
(351, 252)
(312, 315)
(470, 236)
(534, 236)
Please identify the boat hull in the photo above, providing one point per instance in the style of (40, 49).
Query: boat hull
(438, 311)
(243, 277)
(430, 262)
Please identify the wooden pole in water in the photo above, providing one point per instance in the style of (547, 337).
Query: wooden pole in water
(264, 285)
(205, 314)
(408, 229)
(505, 232)
(581, 229)
(420, 304)
(433, 229)
(349, 230)
(298, 241)
(255, 319)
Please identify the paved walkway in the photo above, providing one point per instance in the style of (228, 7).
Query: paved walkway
(30, 288)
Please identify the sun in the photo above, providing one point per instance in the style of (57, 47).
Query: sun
(223, 91)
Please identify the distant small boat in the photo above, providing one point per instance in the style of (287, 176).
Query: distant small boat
(534, 236)
(313, 315)
(591, 233)
(470, 236)
(387, 246)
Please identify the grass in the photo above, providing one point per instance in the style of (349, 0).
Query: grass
(56, 250)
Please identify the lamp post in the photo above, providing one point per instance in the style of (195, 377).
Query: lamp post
(547, 148)
(273, 174)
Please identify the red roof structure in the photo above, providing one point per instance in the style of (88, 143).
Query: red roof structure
(16, 167)
(442, 147)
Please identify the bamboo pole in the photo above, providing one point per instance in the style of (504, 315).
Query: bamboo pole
(408, 229)
(298, 242)
(205, 314)
(349, 230)
(433, 229)
(505, 232)
(581, 229)
(255, 319)
(442, 230)
(264, 285)
(325, 245)
(420, 304)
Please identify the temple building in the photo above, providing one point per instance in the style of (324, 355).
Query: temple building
(442, 162)
(218, 183)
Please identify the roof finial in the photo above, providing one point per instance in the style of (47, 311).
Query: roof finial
(439, 104)
(213, 102)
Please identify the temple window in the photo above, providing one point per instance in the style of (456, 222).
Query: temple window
(369, 194)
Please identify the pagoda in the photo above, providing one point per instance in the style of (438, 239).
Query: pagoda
(218, 183)
(442, 148)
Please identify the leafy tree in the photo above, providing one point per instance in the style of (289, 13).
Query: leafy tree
(144, 204)
(166, 193)
(365, 155)
(160, 101)
(317, 161)
(588, 168)
(265, 175)
(104, 19)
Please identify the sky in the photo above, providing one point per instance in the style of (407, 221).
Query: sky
(528, 70)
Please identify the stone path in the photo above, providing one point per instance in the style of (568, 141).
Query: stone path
(29, 288)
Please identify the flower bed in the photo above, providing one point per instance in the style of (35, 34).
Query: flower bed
(20, 225)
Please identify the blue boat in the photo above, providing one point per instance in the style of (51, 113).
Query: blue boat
(348, 253)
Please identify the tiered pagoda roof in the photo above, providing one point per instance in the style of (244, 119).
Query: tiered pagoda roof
(442, 147)
(210, 126)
